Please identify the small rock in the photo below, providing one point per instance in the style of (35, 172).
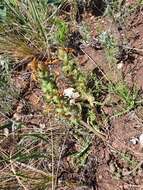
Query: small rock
(120, 65)
(42, 125)
(6, 132)
(20, 108)
(112, 168)
(134, 141)
(100, 177)
(141, 139)
(72, 101)
(17, 117)
(70, 93)
(83, 188)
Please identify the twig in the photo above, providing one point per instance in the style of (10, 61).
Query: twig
(134, 169)
(60, 156)
(17, 177)
(52, 144)
(97, 132)
(32, 168)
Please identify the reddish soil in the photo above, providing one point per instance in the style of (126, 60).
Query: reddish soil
(113, 164)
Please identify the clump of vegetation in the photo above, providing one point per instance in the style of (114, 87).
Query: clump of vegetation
(29, 34)
(110, 46)
(128, 97)
(7, 90)
(71, 107)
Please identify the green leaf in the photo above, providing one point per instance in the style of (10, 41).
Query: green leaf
(62, 31)
(2, 13)
(55, 2)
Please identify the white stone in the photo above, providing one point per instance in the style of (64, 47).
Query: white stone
(134, 141)
(6, 132)
(72, 101)
(17, 116)
(119, 66)
(70, 93)
(141, 139)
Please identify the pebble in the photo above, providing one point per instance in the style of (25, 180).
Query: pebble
(17, 116)
(120, 65)
(6, 132)
(134, 141)
(141, 139)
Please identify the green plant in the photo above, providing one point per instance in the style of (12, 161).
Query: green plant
(85, 32)
(28, 28)
(27, 23)
(2, 13)
(127, 96)
(70, 107)
(140, 2)
(110, 45)
(8, 93)
(81, 156)
(55, 2)
(127, 157)
(61, 33)
(22, 158)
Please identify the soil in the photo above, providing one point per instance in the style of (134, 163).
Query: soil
(114, 163)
